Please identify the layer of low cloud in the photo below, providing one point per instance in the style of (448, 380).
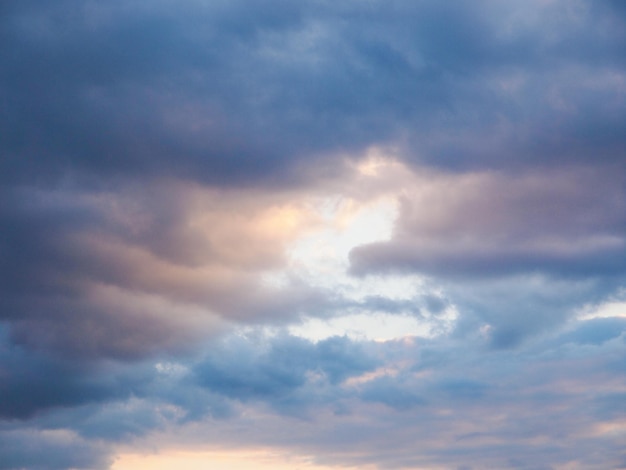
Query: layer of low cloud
(355, 402)
(237, 94)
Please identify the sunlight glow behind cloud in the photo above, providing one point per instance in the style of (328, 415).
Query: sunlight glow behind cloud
(239, 459)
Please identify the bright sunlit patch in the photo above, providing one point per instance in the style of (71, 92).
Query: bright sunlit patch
(282, 220)
(609, 309)
(214, 460)
(615, 307)
(615, 428)
(320, 258)
(347, 224)
(377, 163)
(377, 326)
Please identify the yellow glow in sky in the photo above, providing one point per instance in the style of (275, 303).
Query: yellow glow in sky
(215, 460)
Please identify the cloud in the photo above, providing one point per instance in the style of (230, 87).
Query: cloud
(473, 404)
(566, 223)
(597, 331)
(33, 382)
(354, 402)
(220, 94)
(129, 272)
(516, 254)
(181, 184)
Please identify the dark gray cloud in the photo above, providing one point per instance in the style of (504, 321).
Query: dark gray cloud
(289, 373)
(230, 92)
(33, 382)
(32, 449)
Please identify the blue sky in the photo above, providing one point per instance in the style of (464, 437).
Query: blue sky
(326, 235)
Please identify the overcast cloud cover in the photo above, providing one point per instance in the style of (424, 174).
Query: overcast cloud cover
(189, 189)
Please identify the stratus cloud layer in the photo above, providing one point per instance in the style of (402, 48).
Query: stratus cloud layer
(188, 188)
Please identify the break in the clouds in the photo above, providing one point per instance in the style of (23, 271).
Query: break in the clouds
(351, 234)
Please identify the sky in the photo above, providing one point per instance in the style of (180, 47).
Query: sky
(324, 235)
